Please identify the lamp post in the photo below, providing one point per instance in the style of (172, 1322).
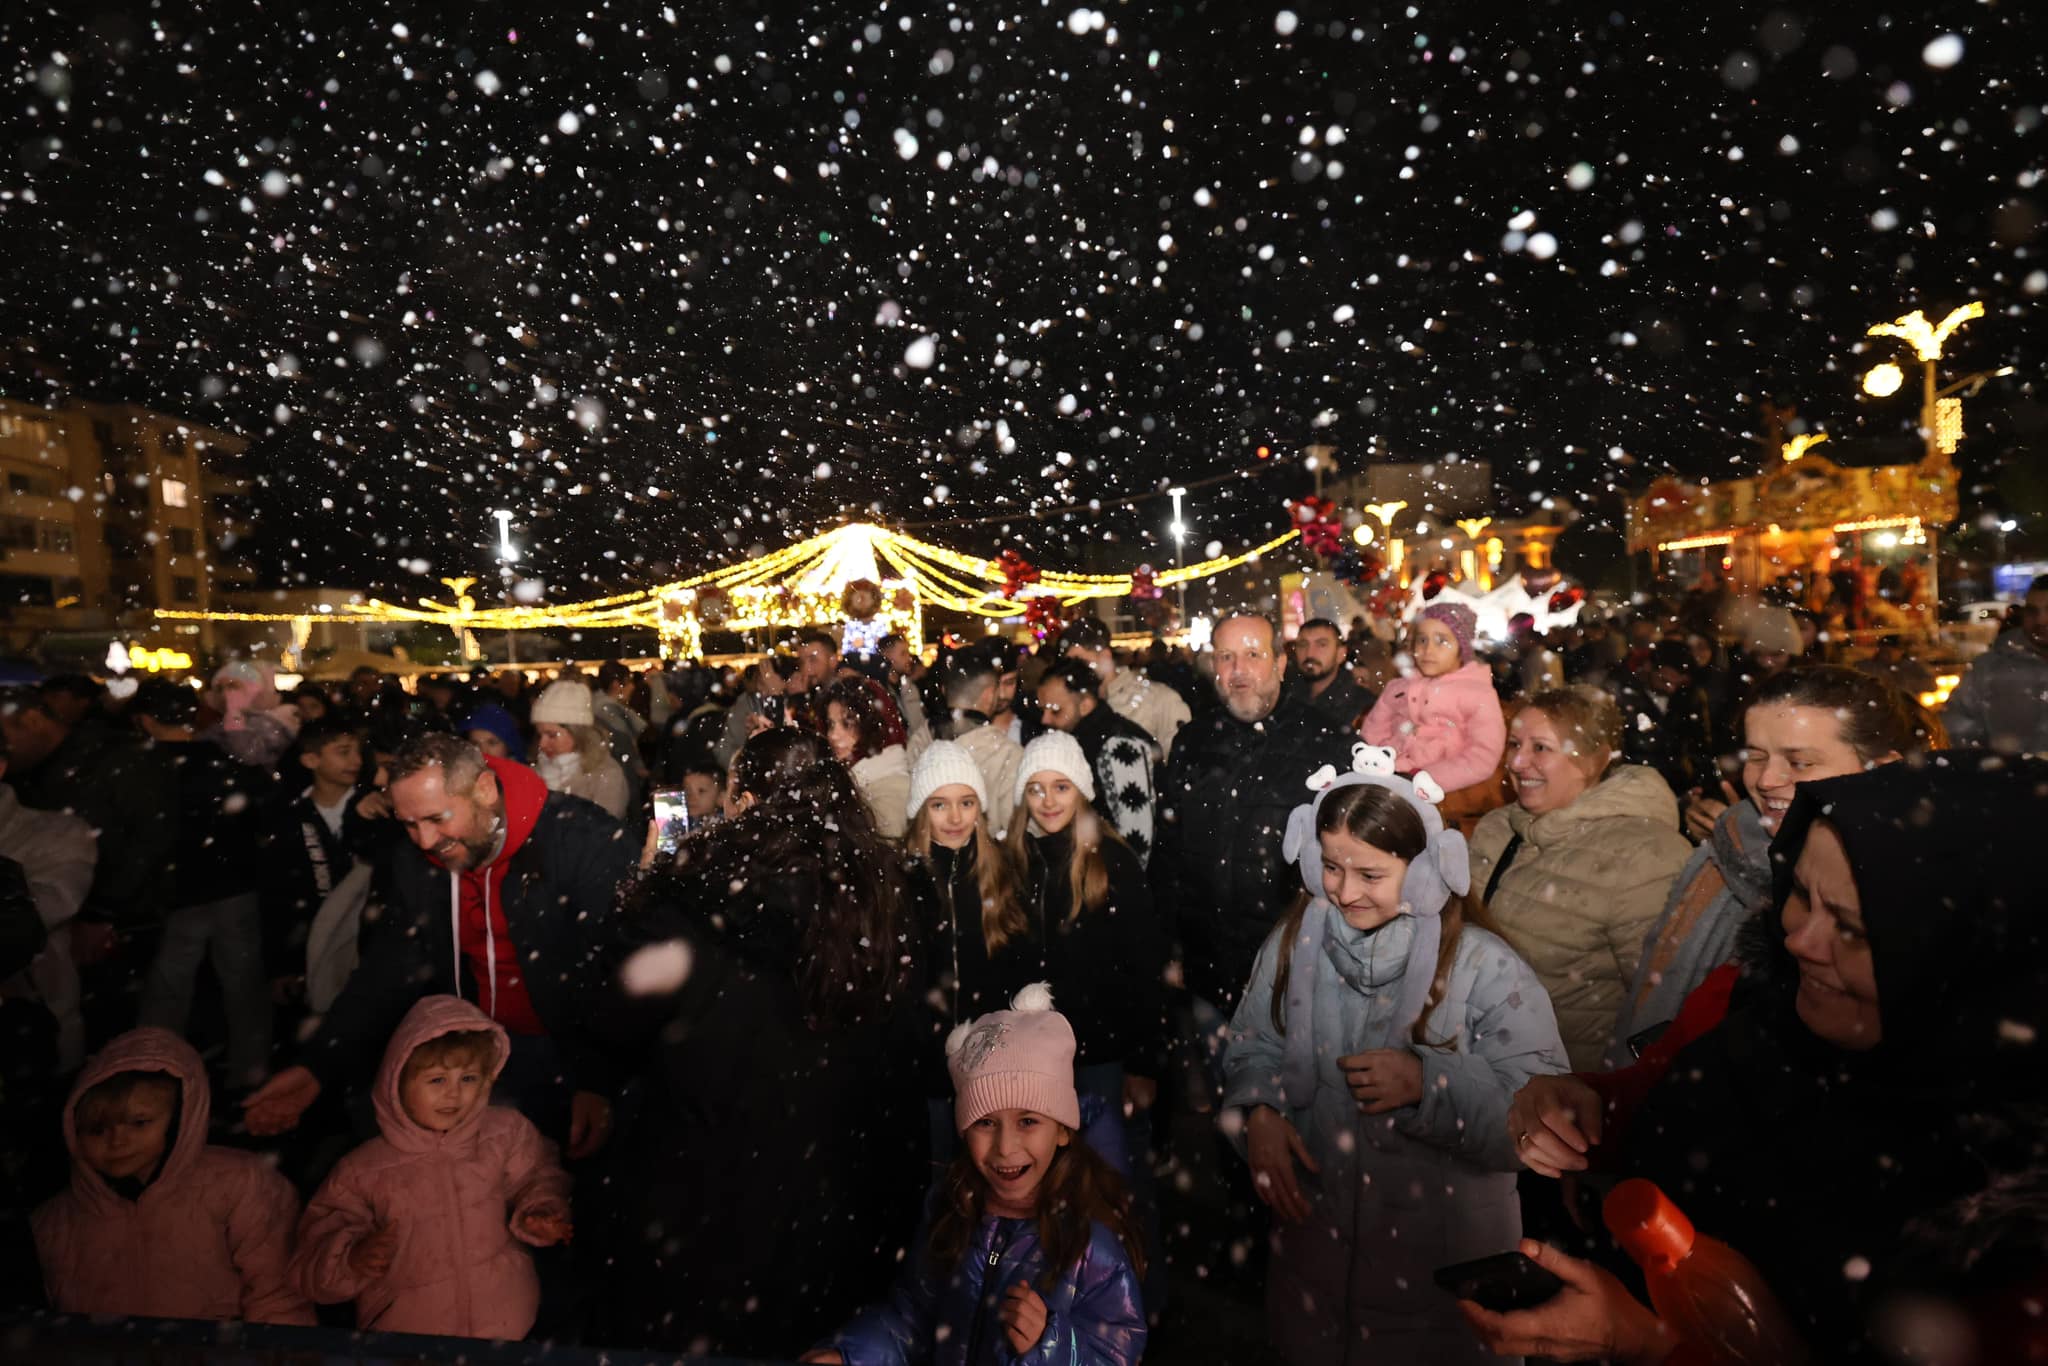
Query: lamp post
(1180, 537)
(1941, 417)
(1939, 436)
(507, 555)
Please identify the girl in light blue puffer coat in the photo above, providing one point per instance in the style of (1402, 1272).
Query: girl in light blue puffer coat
(1372, 1060)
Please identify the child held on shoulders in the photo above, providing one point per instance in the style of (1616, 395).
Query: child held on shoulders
(1032, 1254)
(423, 1226)
(157, 1223)
(1445, 717)
(1372, 1061)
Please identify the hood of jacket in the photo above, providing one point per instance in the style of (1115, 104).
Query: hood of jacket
(429, 1019)
(142, 1050)
(1628, 790)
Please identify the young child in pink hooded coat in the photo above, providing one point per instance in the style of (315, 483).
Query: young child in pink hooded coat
(423, 1226)
(157, 1224)
(1445, 717)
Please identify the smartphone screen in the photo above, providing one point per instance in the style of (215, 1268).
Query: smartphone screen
(771, 707)
(671, 818)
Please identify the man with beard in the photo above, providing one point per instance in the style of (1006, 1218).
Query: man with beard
(1218, 875)
(1319, 659)
(502, 873)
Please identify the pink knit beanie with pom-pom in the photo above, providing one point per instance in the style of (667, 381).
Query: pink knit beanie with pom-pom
(1016, 1059)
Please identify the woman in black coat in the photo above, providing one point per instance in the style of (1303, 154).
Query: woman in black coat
(1865, 1124)
(772, 1171)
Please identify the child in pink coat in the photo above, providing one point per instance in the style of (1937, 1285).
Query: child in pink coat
(423, 1227)
(1445, 717)
(156, 1223)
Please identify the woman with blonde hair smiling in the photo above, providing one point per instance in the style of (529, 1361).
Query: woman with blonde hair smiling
(1576, 869)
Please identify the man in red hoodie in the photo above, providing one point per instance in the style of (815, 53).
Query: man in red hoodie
(503, 898)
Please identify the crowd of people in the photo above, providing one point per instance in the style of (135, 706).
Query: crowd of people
(836, 1007)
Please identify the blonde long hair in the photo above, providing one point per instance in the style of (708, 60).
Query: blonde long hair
(1087, 872)
(995, 875)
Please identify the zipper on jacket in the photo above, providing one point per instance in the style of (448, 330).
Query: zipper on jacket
(984, 1292)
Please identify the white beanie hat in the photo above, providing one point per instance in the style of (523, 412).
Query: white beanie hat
(943, 764)
(564, 703)
(1055, 752)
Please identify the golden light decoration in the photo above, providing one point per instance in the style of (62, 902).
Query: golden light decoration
(1882, 381)
(799, 585)
(1948, 425)
(1927, 339)
(1701, 542)
(1801, 444)
(1385, 512)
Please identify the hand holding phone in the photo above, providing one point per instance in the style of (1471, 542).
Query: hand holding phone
(671, 819)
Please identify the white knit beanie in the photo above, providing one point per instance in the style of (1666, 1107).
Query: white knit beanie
(564, 703)
(942, 765)
(1055, 752)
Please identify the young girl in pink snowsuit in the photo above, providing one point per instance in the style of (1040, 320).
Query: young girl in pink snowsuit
(423, 1226)
(1445, 717)
(156, 1223)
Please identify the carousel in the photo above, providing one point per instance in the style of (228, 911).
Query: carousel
(1861, 541)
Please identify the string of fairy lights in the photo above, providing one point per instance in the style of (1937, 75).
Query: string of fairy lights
(802, 584)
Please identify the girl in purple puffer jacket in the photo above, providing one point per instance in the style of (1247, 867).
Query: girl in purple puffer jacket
(1033, 1258)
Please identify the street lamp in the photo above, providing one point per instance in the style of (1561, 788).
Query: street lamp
(1941, 417)
(1180, 537)
(508, 554)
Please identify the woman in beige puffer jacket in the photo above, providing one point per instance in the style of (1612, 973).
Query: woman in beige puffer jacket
(1577, 868)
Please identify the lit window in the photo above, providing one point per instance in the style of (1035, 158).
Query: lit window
(174, 493)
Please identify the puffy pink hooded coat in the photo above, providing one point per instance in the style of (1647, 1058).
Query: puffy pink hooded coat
(1451, 726)
(208, 1239)
(459, 1270)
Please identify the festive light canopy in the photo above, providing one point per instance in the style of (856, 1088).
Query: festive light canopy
(799, 585)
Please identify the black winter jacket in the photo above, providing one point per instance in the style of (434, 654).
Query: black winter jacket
(974, 981)
(122, 787)
(222, 804)
(769, 1180)
(559, 894)
(1106, 965)
(302, 862)
(1218, 876)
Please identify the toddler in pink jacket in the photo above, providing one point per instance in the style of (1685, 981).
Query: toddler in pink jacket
(1445, 717)
(156, 1223)
(423, 1227)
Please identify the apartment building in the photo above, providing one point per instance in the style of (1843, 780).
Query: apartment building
(110, 512)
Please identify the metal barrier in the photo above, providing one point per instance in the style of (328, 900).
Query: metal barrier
(45, 1339)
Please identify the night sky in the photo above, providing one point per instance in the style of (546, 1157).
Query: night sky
(677, 283)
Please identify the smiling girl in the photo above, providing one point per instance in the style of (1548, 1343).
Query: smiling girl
(1445, 717)
(1091, 911)
(1032, 1254)
(1384, 1031)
